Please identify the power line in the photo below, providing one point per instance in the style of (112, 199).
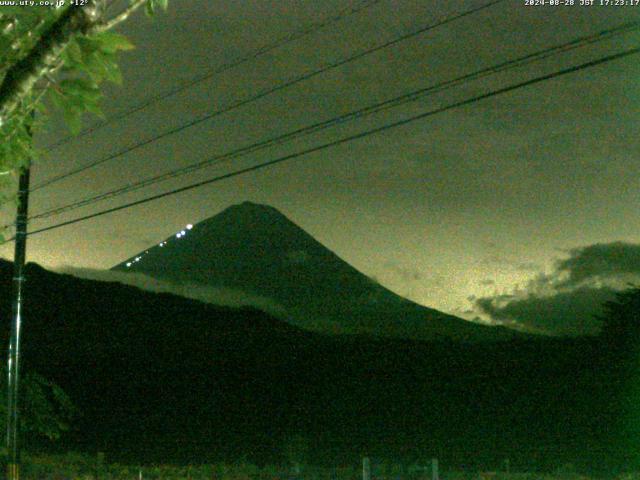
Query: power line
(268, 48)
(265, 93)
(368, 110)
(349, 138)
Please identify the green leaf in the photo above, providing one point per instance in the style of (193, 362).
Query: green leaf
(88, 45)
(73, 54)
(75, 96)
(56, 98)
(95, 65)
(153, 5)
(95, 109)
(115, 75)
(150, 8)
(111, 42)
(109, 68)
(80, 89)
(98, 56)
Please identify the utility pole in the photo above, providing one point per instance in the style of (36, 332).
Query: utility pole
(13, 364)
(366, 468)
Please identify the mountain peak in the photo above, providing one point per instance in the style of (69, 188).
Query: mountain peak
(249, 212)
(256, 249)
(250, 206)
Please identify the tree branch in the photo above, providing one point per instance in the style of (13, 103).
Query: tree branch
(121, 17)
(21, 77)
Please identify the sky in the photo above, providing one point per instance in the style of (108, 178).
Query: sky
(483, 211)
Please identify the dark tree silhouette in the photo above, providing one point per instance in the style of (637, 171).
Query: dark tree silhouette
(621, 320)
(47, 409)
(620, 337)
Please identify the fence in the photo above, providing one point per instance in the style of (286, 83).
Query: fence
(82, 467)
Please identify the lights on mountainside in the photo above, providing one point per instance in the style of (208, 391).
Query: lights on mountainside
(137, 259)
(180, 234)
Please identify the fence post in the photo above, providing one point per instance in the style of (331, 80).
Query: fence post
(99, 464)
(434, 469)
(366, 469)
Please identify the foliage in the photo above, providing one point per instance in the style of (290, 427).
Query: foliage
(45, 409)
(62, 53)
(621, 320)
(621, 339)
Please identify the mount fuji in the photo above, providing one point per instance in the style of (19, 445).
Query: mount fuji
(258, 250)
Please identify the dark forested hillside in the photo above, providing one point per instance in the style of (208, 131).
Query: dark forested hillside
(161, 378)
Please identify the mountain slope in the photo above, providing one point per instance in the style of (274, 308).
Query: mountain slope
(160, 378)
(257, 249)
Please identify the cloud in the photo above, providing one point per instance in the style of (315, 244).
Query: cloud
(568, 300)
(216, 296)
(565, 313)
(600, 261)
